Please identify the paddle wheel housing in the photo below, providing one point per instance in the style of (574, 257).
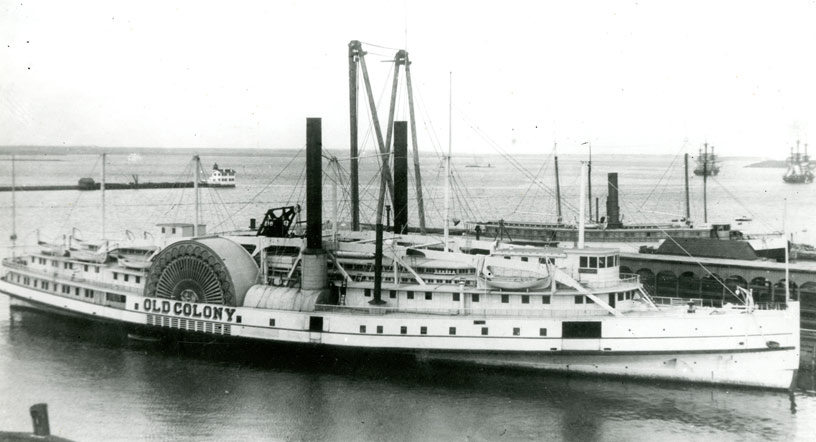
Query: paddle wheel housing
(205, 270)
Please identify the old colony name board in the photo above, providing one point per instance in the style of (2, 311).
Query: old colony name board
(188, 310)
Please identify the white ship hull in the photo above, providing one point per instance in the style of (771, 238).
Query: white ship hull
(760, 349)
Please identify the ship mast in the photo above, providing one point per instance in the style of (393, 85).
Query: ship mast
(787, 252)
(582, 206)
(589, 181)
(688, 207)
(197, 161)
(13, 208)
(103, 195)
(417, 173)
(705, 183)
(448, 157)
(353, 54)
(557, 191)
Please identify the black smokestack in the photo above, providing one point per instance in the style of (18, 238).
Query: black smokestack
(314, 184)
(612, 208)
(400, 177)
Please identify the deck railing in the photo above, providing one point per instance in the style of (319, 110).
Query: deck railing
(626, 279)
(664, 300)
(64, 277)
(539, 313)
(716, 303)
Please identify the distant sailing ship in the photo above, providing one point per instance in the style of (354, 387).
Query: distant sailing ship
(707, 163)
(799, 167)
(476, 164)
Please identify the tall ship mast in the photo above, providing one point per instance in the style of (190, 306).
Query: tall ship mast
(707, 162)
(800, 171)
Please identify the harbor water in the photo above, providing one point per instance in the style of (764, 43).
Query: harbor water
(100, 386)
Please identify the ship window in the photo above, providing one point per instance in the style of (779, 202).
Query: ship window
(410, 295)
(602, 262)
(484, 331)
(542, 332)
(593, 262)
(86, 267)
(115, 275)
(579, 299)
(525, 299)
(428, 296)
(126, 277)
(620, 296)
(403, 330)
(581, 330)
(362, 329)
(379, 329)
(174, 230)
(163, 230)
(542, 260)
(516, 331)
(456, 297)
(272, 324)
(475, 297)
(367, 292)
(113, 297)
(138, 279)
(45, 285)
(452, 330)
(524, 259)
(35, 283)
(96, 269)
(505, 299)
(506, 257)
(423, 330)
(545, 299)
(583, 262)
(392, 294)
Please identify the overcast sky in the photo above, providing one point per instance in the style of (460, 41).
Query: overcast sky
(628, 76)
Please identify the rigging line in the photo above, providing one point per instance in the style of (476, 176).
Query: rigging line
(181, 194)
(379, 46)
(515, 163)
(222, 208)
(345, 188)
(463, 207)
(156, 212)
(79, 195)
(543, 166)
(700, 264)
(432, 196)
(734, 197)
(370, 131)
(460, 194)
(268, 185)
(665, 172)
(428, 123)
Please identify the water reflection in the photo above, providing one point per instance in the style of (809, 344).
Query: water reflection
(100, 386)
